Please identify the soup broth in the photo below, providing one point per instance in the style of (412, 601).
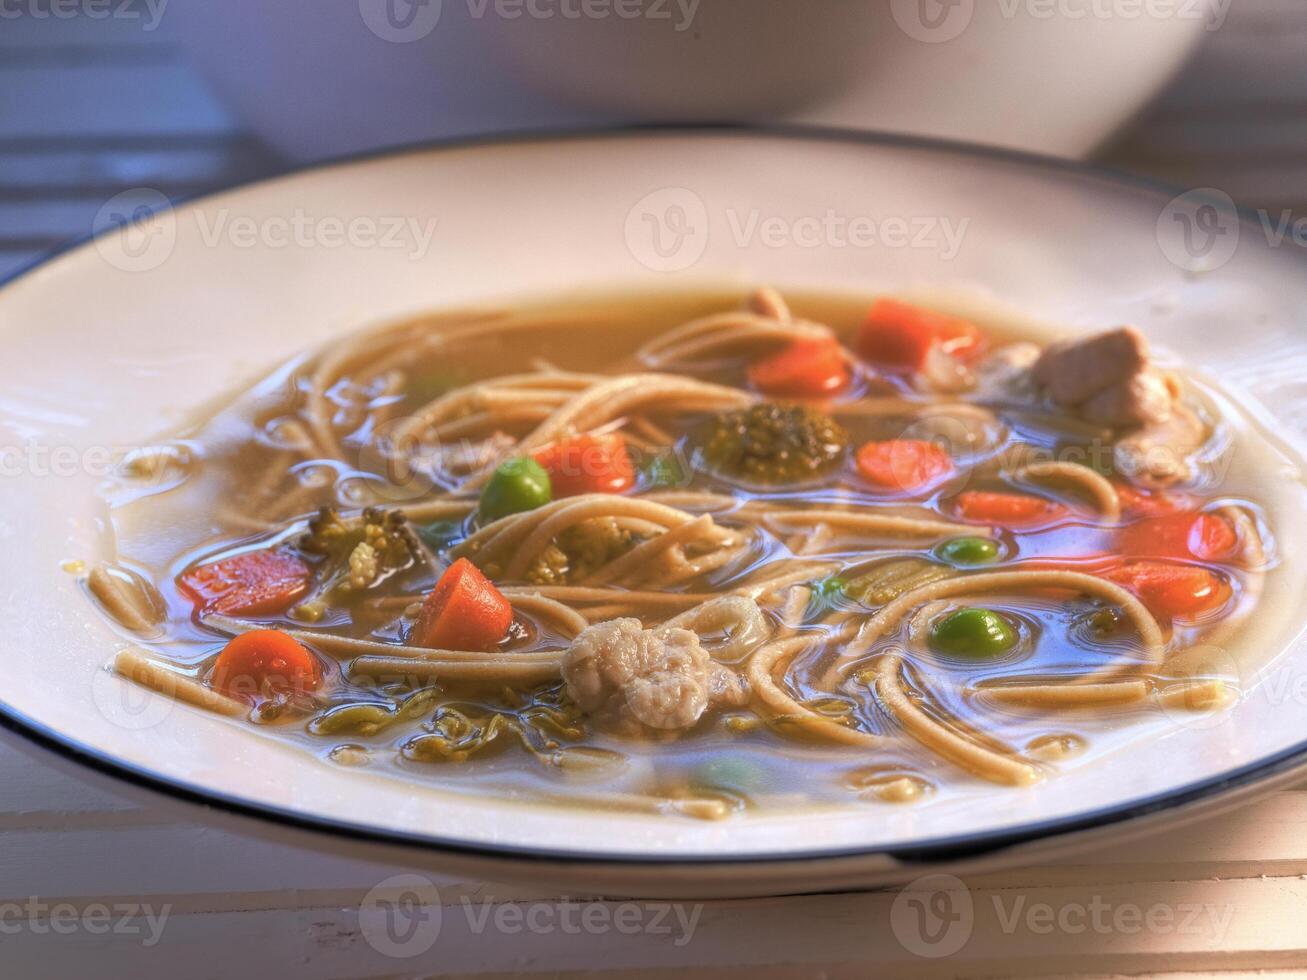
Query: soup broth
(697, 553)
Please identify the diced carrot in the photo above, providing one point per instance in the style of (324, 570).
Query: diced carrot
(588, 464)
(253, 583)
(265, 662)
(804, 369)
(463, 612)
(1150, 503)
(1185, 535)
(1170, 590)
(1007, 509)
(898, 335)
(903, 464)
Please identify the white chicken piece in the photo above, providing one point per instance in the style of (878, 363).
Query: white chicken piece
(1107, 379)
(638, 680)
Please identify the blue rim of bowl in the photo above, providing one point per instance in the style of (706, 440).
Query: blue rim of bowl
(944, 850)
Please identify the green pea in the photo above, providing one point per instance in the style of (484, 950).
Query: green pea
(973, 633)
(518, 485)
(968, 551)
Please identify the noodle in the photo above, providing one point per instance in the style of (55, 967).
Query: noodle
(972, 756)
(774, 658)
(1065, 695)
(1097, 487)
(135, 666)
(485, 671)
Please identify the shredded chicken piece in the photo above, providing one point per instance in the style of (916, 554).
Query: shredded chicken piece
(1074, 370)
(1141, 398)
(1107, 379)
(639, 680)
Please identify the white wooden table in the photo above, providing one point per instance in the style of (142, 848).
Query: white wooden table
(88, 108)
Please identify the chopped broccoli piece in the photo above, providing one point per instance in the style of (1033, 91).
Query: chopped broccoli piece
(358, 553)
(771, 444)
(579, 550)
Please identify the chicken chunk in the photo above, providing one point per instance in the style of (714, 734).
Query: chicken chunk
(1072, 371)
(1106, 379)
(642, 680)
(1140, 399)
(1109, 380)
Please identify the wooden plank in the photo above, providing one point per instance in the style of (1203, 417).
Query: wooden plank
(28, 786)
(11, 261)
(1184, 926)
(53, 219)
(77, 172)
(112, 99)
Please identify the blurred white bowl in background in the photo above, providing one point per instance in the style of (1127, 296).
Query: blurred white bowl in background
(1052, 76)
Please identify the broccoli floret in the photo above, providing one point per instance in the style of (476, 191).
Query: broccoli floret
(358, 553)
(771, 444)
(579, 550)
